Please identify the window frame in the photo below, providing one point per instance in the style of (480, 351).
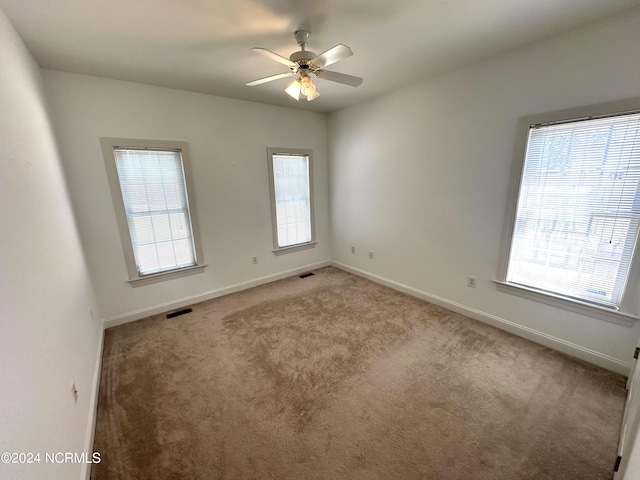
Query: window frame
(628, 310)
(135, 279)
(277, 250)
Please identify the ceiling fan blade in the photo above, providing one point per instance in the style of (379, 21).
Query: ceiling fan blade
(332, 55)
(339, 77)
(275, 56)
(269, 79)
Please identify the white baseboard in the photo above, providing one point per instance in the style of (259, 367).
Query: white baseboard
(201, 297)
(572, 349)
(583, 353)
(93, 408)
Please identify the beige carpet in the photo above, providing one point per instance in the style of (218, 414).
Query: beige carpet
(335, 377)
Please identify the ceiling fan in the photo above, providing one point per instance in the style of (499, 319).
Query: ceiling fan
(305, 64)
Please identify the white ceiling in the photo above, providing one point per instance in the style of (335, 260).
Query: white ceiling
(205, 45)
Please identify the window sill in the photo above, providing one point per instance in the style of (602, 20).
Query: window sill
(584, 308)
(294, 248)
(161, 277)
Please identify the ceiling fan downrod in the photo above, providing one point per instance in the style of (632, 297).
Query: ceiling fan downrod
(303, 56)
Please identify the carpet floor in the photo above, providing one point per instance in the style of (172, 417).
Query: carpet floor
(335, 377)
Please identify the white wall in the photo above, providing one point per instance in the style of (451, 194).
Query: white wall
(47, 336)
(420, 176)
(228, 140)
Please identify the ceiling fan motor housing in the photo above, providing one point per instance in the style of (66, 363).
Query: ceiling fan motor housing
(303, 56)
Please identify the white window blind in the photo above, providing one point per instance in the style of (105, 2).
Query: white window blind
(291, 181)
(155, 200)
(578, 209)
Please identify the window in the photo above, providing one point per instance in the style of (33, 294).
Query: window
(575, 224)
(291, 182)
(148, 181)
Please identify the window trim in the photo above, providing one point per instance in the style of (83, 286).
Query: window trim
(277, 250)
(627, 312)
(135, 279)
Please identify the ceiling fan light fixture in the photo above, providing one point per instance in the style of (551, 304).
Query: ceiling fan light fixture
(308, 88)
(311, 96)
(294, 89)
(302, 86)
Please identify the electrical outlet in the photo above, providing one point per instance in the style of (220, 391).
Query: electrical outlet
(74, 392)
(471, 282)
(371, 254)
(254, 259)
(353, 249)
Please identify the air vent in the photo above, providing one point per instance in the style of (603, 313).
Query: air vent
(179, 312)
(305, 275)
